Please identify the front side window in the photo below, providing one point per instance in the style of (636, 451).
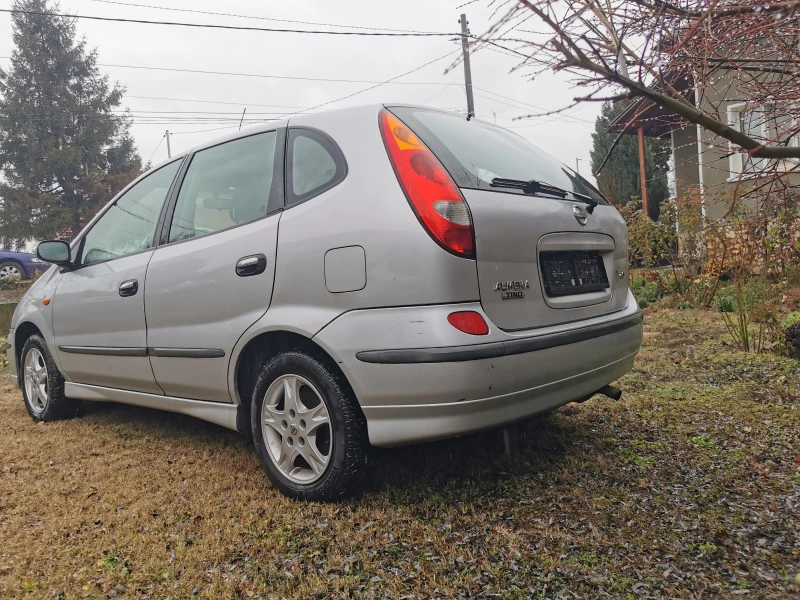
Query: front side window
(315, 164)
(129, 225)
(226, 185)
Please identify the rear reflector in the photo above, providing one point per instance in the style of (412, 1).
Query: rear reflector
(429, 188)
(468, 322)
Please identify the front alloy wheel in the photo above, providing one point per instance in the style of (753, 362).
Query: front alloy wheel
(42, 383)
(35, 379)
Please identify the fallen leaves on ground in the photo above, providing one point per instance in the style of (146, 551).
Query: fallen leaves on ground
(687, 488)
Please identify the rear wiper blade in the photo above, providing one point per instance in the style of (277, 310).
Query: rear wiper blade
(539, 187)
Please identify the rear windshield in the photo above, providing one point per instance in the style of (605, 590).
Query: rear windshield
(475, 153)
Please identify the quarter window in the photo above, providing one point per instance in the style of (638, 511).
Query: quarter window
(315, 164)
(226, 185)
(129, 225)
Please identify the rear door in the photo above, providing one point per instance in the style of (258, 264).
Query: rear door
(543, 258)
(212, 276)
(98, 308)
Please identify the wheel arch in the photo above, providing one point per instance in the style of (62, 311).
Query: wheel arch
(21, 335)
(264, 346)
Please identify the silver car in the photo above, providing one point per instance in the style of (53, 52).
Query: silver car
(371, 276)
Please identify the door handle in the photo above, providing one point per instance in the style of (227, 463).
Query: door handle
(251, 265)
(128, 288)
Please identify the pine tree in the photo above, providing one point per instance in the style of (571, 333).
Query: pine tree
(63, 151)
(619, 179)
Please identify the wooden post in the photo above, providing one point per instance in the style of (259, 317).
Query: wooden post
(643, 173)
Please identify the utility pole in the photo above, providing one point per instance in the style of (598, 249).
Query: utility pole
(169, 150)
(467, 70)
(643, 173)
(577, 167)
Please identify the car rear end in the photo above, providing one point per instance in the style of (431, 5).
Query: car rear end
(552, 321)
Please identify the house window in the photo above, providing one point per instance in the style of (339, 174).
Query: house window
(769, 124)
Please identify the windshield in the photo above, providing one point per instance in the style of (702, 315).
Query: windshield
(475, 153)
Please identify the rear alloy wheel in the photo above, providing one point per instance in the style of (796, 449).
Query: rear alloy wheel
(43, 384)
(308, 429)
(11, 270)
(297, 428)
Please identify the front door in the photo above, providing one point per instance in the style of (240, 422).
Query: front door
(98, 307)
(212, 277)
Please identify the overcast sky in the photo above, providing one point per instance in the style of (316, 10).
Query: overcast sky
(315, 56)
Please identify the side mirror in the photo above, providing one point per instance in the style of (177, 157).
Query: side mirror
(56, 252)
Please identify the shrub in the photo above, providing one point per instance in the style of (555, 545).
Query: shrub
(685, 305)
(725, 304)
(646, 292)
(791, 334)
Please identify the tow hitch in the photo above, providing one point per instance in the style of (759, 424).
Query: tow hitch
(607, 390)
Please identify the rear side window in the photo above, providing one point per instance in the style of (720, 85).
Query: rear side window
(474, 153)
(315, 164)
(226, 185)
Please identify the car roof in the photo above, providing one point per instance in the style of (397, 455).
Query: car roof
(302, 119)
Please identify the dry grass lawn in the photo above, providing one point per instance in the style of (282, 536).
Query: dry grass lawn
(687, 488)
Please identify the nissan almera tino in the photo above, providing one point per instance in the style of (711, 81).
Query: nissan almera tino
(370, 276)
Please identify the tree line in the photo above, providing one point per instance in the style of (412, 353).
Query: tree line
(65, 147)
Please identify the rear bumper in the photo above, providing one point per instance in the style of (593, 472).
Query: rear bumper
(397, 425)
(435, 382)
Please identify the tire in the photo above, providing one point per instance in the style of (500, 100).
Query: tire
(323, 393)
(11, 269)
(44, 402)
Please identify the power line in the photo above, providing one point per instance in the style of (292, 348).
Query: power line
(521, 108)
(229, 27)
(209, 101)
(350, 95)
(262, 76)
(157, 147)
(379, 84)
(257, 75)
(526, 104)
(265, 29)
(441, 90)
(259, 18)
(147, 112)
(203, 130)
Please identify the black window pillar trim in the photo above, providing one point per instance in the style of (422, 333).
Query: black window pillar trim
(166, 210)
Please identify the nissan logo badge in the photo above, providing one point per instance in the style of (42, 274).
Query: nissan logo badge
(580, 214)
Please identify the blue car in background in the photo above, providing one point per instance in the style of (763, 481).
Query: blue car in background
(20, 265)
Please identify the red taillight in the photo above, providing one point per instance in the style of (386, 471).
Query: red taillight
(468, 322)
(431, 192)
